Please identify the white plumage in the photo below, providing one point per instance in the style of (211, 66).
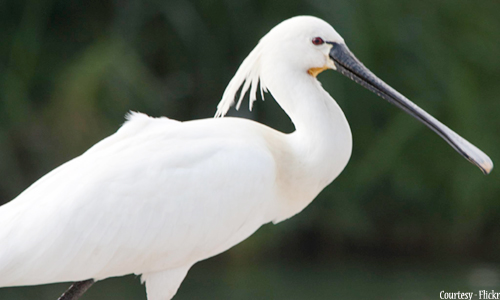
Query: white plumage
(160, 195)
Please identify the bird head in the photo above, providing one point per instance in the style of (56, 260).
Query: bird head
(299, 44)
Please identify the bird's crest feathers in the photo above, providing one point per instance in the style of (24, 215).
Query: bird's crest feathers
(247, 75)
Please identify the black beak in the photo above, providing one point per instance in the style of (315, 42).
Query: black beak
(347, 64)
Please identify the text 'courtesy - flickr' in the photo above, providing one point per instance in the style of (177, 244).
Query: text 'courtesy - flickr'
(482, 294)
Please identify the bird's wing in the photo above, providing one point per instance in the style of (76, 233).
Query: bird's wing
(156, 195)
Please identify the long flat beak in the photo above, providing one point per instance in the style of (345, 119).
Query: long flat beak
(347, 64)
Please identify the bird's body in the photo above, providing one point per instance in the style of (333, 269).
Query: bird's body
(160, 195)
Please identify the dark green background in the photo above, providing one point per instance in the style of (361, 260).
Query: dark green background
(406, 219)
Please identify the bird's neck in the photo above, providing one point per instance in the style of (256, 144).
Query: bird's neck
(322, 140)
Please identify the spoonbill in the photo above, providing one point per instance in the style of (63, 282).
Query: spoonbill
(160, 195)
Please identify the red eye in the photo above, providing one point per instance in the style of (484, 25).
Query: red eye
(318, 41)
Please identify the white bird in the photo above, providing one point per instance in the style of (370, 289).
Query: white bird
(160, 195)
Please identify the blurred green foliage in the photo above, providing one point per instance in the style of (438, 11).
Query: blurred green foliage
(70, 70)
